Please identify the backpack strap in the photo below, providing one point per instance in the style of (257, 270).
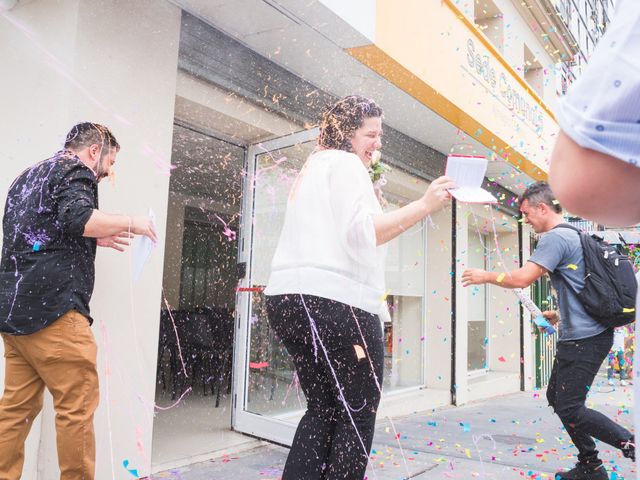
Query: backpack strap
(566, 225)
(580, 233)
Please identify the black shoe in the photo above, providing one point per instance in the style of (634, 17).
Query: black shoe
(629, 449)
(584, 471)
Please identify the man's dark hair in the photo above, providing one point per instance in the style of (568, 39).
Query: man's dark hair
(86, 134)
(343, 118)
(540, 192)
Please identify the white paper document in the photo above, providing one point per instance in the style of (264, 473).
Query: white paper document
(468, 173)
(142, 251)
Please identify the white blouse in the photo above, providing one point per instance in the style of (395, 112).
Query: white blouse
(327, 246)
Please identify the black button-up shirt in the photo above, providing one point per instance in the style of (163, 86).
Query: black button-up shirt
(47, 267)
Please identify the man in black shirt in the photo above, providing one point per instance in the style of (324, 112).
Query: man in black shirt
(51, 228)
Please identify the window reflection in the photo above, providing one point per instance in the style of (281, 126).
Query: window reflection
(478, 336)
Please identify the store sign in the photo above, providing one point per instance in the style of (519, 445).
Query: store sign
(508, 90)
(432, 41)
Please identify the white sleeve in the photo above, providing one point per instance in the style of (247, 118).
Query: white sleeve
(602, 109)
(353, 202)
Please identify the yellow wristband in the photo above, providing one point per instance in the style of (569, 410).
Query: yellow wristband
(500, 277)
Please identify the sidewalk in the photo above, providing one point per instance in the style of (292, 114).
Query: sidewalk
(511, 437)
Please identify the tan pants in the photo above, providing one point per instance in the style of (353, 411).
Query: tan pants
(61, 357)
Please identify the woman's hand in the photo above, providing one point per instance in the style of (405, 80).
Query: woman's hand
(437, 195)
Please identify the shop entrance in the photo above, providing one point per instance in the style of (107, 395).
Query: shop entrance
(269, 401)
(195, 351)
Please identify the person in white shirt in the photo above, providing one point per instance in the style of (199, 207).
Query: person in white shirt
(327, 289)
(594, 165)
(616, 355)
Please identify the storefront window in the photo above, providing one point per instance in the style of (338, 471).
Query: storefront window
(478, 337)
(405, 283)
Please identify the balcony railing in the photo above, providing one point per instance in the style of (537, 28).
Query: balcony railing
(586, 225)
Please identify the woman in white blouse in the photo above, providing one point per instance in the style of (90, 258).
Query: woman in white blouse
(326, 290)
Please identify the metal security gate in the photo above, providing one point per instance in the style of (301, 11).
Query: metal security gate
(545, 344)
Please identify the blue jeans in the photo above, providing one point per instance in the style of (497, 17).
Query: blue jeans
(340, 381)
(576, 364)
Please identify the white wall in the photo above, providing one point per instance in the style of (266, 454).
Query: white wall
(462, 305)
(33, 64)
(66, 61)
(360, 14)
(503, 312)
(438, 301)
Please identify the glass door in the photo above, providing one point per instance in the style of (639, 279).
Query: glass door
(268, 400)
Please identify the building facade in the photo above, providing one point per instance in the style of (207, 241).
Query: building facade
(586, 22)
(216, 105)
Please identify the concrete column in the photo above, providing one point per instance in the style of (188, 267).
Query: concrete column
(438, 302)
(113, 63)
(462, 305)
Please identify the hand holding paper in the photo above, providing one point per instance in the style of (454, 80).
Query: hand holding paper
(437, 194)
(468, 172)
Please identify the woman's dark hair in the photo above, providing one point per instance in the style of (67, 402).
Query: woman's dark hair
(343, 118)
(540, 192)
(88, 133)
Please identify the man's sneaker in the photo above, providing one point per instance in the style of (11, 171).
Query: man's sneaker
(584, 471)
(623, 383)
(611, 382)
(629, 449)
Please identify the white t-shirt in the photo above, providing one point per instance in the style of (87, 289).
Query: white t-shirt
(619, 334)
(601, 111)
(327, 246)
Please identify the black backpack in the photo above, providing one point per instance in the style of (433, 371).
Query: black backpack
(610, 285)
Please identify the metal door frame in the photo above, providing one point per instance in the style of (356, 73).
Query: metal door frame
(261, 426)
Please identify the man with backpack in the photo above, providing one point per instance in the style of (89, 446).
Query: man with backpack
(584, 337)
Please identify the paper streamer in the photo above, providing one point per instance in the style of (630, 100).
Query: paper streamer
(538, 318)
(132, 471)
